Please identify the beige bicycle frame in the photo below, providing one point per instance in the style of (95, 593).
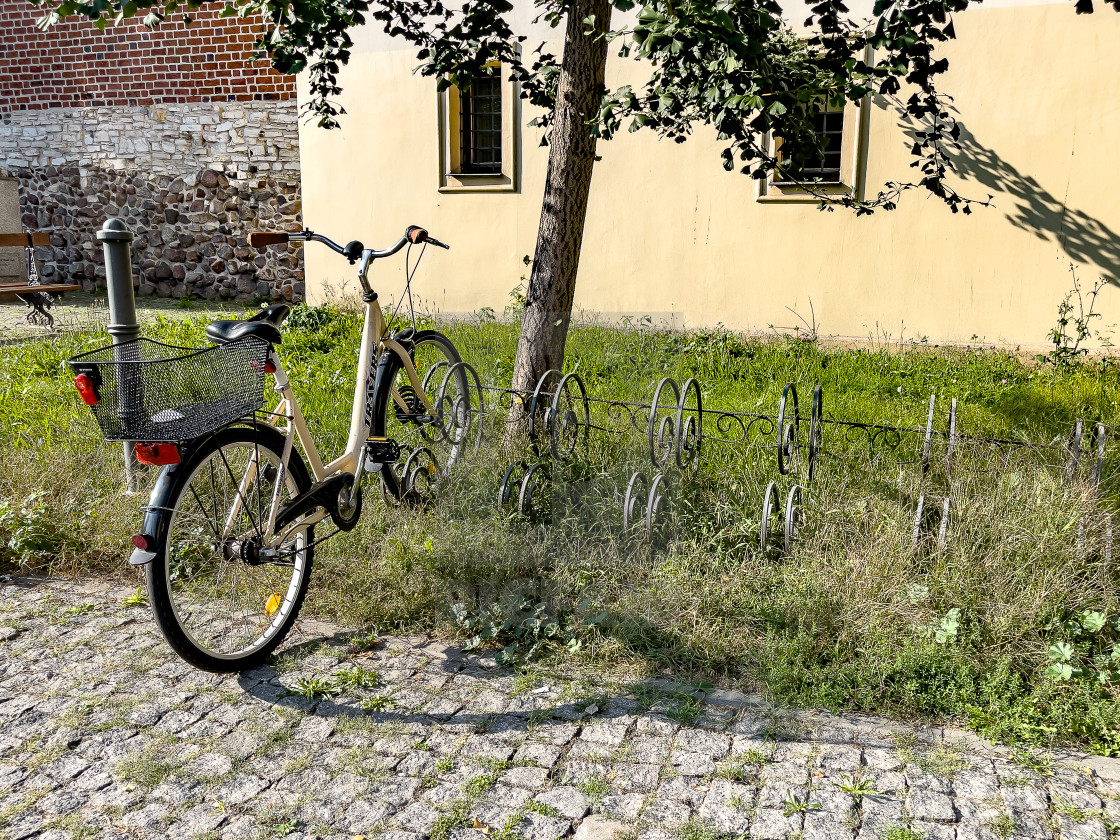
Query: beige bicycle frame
(374, 341)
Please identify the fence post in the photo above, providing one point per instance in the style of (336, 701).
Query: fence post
(116, 240)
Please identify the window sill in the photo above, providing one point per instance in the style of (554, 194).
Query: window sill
(780, 193)
(453, 182)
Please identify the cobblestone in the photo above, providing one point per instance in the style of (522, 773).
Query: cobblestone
(112, 735)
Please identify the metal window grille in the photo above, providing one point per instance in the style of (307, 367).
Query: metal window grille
(480, 121)
(829, 125)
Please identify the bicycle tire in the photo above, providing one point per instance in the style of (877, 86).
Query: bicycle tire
(184, 566)
(424, 444)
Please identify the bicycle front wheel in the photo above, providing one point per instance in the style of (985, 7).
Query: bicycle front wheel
(432, 440)
(222, 597)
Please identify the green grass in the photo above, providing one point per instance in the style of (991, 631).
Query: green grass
(1002, 826)
(853, 619)
(356, 677)
(146, 768)
(902, 832)
(595, 787)
(311, 688)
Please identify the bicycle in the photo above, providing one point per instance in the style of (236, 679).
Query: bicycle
(228, 538)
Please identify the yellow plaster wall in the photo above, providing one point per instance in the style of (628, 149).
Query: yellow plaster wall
(670, 232)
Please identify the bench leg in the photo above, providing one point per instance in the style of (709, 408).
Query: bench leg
(38, 303)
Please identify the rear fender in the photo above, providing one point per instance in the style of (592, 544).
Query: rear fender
(157, 515)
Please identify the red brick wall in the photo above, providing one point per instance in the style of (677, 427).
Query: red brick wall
(72, 64)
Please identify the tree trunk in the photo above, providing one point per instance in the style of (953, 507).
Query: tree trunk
(571, 157)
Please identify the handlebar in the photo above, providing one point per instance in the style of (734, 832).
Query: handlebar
(353, 251)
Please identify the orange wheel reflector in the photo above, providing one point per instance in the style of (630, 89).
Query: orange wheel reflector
(273, 604)
(157, 454)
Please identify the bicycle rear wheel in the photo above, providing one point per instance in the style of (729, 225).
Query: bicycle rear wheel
(431, 442)
(222, 599)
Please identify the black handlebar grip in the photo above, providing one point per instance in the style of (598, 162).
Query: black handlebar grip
(261, 239)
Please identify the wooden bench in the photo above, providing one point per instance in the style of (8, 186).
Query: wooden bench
(38, 296)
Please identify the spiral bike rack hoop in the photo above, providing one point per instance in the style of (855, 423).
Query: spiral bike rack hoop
(637, 492)
(458, 409)
(816, 422)
(415, 469)
(793, 518)
(564, 429)
(662, 435)
(787, 432)
(530, 488)
(770, 516)
(509, 480)
(689, 430)
(659, 498)
(535, 406)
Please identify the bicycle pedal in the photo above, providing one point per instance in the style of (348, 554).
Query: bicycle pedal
(382, 450)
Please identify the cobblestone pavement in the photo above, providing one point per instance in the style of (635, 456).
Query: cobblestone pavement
(105, 733)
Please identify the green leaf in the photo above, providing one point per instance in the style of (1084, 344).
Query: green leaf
(1093, 621)
(1062, 651)
(1059, 672)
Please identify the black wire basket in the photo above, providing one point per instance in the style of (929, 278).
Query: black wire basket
(147, 391)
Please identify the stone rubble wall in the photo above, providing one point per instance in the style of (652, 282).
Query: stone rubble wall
(191, 180)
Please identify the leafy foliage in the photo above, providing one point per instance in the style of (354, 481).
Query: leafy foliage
(356, 677)
(1074, 324)
(526, 631)
(946, 628)
(311, 688)
(137, 599)
(855, 787)
(32, 533)
(792, 804)
(1090, 651)
(733, 65)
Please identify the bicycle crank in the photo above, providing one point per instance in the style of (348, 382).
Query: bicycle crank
(337, 494)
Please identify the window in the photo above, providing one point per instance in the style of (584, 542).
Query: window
(828, 124)
(839, 171)
(480, 127)
(478, 136)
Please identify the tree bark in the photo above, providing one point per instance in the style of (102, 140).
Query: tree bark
(571, 158)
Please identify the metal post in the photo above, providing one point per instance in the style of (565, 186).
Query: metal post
(116, 240)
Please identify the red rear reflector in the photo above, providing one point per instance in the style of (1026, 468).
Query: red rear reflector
(140, 541)
(269, 367)
(157, 454)
(85, 387)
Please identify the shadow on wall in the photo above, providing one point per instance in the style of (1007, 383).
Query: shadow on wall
(1084, 239)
